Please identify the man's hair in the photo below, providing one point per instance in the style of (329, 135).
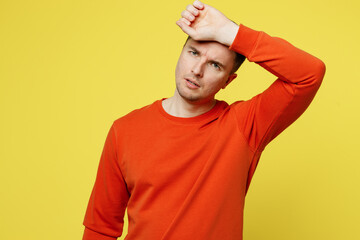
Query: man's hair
(239, 59)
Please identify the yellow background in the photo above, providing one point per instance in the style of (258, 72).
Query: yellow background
(69, 68)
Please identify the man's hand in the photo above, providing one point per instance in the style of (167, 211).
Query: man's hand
(205, 23)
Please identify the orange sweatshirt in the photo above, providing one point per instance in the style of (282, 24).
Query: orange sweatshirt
(186, 178)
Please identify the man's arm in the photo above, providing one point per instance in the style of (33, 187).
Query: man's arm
(104, 217)
(299, 76)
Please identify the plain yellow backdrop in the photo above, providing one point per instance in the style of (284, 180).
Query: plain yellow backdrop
(68, 69)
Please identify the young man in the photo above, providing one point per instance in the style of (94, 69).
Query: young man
(182, 166)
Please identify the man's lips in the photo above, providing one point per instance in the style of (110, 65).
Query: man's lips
(192, 83)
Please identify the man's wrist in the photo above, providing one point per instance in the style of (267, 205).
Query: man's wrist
(228, 33)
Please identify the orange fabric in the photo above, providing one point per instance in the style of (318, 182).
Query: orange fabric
(186, 178)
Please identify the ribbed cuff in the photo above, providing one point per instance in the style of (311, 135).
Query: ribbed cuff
(92, 235)
(245, 41)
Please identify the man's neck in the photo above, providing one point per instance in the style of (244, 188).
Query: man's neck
(179, 107)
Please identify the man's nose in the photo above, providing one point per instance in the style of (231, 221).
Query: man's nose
(198, 68)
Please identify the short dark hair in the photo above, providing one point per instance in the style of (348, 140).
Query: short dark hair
(239, 58)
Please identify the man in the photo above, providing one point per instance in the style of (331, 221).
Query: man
(182, 165)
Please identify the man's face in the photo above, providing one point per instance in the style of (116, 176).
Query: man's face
(202, 70)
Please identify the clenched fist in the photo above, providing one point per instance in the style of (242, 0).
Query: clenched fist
(205, 23)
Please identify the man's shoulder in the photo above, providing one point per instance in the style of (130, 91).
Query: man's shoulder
(245, 104)
(240, 108)
(139, 114)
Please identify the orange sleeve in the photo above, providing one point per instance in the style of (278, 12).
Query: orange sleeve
(104, 216)
(299, 76)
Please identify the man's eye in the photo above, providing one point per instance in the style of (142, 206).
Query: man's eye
(215, 65)
(193, 53)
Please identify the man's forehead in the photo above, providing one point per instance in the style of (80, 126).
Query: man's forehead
(210, 48)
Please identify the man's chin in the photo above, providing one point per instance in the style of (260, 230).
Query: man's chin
(189, 97)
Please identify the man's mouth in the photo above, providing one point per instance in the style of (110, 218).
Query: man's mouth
(192, 83)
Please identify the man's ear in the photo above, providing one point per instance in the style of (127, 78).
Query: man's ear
(229, 80)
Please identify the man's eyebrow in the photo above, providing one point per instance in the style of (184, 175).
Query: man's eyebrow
(213, 61)
(194, 49)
